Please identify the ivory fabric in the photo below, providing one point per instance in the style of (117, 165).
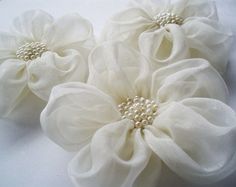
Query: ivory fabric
(200, 36)
(68, 39)
(193, 134)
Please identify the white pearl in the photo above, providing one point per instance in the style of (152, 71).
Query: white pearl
(165, 18)
(144, 122)
(30, 51)
(149, 111)
(139, 110)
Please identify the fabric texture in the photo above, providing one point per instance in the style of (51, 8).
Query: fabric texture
(65, 60)
(199, 36)
(189, 134)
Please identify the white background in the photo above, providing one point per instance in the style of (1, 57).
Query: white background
(27, 157)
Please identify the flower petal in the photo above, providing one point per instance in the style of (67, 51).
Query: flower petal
(32, 24)
(52, 69)
(116, 158)
(70, 31)
(74, 112)
(13, 85)
(119, 71)
(127, 25)
(153, 7)
(8, 46)
(197, 146)
(151, 173)
(164, 46)
(209, 40)
(188, 78)
(198, 8)
(17, 103)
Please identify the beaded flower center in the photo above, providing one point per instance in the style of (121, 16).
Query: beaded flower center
(165, 18)
(31, 51)
(139, 110)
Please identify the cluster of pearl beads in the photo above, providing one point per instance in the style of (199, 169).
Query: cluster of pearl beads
(31, 51)
(139, 110)
(165, 18)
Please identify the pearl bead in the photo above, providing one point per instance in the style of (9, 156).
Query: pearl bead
(30, 51)
(149, 118)
(144, 122)
(139, 110)
(130, 115)
(137, 124)
(165, 18)
(149, 111)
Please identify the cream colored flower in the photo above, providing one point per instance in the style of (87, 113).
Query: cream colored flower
(168, 31)
(36, 55)
(128, 121)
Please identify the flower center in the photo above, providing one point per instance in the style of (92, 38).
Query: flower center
(165, 18)
(139, 110)
(31, 51)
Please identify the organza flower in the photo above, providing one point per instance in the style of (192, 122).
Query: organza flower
(128, 121)
(168, 31)
(37, 54)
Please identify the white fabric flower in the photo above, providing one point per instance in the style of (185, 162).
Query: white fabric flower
(169, 121)
(168, 31)
(36, 55)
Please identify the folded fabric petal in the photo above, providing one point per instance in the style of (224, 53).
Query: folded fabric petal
(69, 32)
(199, 147)
(116, 158)
(32, 24)
(188, 78)
(164, 46)
(12, 72)
(131, 23)
(119, 70)
(8, 46)
(151, 174)
(209, 40)
(56, 69)
(67, 118)
(16, 101)
(199, 8)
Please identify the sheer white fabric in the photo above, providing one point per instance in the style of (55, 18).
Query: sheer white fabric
(65, 60)
(200, 35)
(192, 135)
(198, 150)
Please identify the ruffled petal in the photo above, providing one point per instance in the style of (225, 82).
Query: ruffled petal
(52, 69)
(209, 40)
(8, 46)
(70, 32)
(127, 25)
(153, 7)
(119, 71)
(195, 138)
(164, 46)
(115, 158)
(17, 103)
(197, 8)
(151, 174)
(74, 112)
(13, 85)
(188, 78)
(32, 24)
